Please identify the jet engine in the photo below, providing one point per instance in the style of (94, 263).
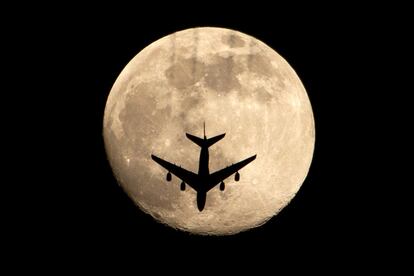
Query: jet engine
(222, 186)
(169, 176)
(182, 187)
(237, 176)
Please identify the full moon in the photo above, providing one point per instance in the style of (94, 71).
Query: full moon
(237, 85)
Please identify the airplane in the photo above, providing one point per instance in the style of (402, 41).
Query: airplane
(204, 181)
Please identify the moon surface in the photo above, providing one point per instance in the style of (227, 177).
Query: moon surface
(239, 86)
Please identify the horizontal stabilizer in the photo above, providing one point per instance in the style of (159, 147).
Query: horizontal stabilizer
(195, 139)
(205, 142)
(215, 139)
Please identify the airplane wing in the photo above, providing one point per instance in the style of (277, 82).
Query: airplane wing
(218, 176)
(188, 177)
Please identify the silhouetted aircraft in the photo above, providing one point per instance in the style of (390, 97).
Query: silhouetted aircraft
(203, 181)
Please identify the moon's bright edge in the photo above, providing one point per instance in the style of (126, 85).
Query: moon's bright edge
(238, 86)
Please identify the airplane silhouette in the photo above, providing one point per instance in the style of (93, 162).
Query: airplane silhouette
(203, 181)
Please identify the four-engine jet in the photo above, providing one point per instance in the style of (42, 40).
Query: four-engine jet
(204, 181)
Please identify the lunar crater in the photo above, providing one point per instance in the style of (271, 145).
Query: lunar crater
(185, 72)
(233, 40)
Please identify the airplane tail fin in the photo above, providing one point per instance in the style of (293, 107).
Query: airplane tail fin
(205, 142)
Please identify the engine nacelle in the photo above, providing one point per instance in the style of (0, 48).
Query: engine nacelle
(237, 176)
(182, 187)
(169, 177)
(222, 186)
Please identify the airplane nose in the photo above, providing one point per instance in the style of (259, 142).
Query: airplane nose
(200, 205)
(201, 201)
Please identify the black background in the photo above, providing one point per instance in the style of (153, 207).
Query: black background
(83, 213)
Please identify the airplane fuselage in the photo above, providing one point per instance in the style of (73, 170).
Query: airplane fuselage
(203, 162)
(203, 171)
